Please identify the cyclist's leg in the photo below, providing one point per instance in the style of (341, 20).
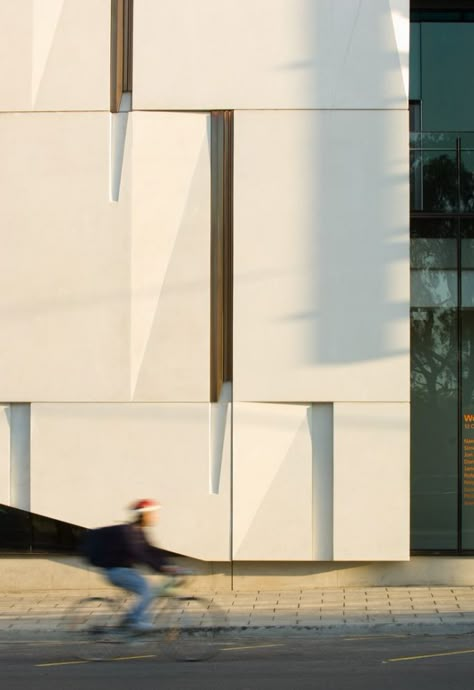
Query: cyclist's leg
(133, 581)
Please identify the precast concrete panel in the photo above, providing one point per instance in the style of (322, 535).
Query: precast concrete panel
(170, 257)
(292, 54)
(272, 482)
(55, 55)
(65, 261)
(106, 257)
(371, 482)
(90, 461)
(321, 256)
(16, 54)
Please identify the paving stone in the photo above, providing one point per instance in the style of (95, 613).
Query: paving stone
(354, 604)
(322, 607)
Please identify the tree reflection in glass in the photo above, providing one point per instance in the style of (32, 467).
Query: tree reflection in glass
(434, 384)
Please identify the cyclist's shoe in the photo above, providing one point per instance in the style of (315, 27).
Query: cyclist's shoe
(142, 626)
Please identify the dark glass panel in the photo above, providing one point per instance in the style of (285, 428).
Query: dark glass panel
(435, 16)
(434, 386)
(467, 360)
(467, 179)
(467, 449)
(15, 529)
(447, 61)
(415, 63)
(444, 15)
(21, 531)
(434, 141)
(433, 181)
(443, 228)
(415, 118)
(434, 428)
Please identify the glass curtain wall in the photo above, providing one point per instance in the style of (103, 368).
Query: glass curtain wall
(442, 284)
(21, 531)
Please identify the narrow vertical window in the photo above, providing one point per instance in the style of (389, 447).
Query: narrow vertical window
(127, 45)
(121, 52)
(221, 250)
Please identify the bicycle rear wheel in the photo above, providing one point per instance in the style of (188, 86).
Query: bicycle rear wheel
(93, 627)
(188, 627)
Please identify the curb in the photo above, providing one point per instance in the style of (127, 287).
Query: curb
(335, 630)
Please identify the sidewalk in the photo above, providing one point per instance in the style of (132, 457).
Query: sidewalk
(337, 610)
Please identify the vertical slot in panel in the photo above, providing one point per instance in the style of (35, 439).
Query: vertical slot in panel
(228, 242)
(323, 444)
(121, 52)
(5, 454)
(128, 46)
(116, 55)
(221, 251)
(20, 456)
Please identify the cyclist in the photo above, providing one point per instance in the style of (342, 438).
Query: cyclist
(119, 548)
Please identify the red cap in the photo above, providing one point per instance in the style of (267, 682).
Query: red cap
(145, 505)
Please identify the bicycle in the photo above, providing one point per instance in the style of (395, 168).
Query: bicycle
(187, 627)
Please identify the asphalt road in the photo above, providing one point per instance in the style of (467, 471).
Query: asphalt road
(258, 662)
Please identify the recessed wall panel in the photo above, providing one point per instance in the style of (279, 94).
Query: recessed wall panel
(270, 54)
(272, 482)
(321, 256)
(170, 257)
(371, 482)
(90, 462)
(65, 261)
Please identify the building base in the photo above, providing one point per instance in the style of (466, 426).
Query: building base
(32, 572)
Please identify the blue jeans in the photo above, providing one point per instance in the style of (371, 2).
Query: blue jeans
(131, 580)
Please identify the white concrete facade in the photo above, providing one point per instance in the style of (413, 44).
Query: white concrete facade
(106, 274)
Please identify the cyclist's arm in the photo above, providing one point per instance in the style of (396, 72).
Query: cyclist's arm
(155, 557)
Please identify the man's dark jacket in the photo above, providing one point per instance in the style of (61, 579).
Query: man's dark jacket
(121, 546)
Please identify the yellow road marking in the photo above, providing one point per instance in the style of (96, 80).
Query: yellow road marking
(149, 656)
(430, 656)
(257, 646)
(371, 637)
(127, 658)
(88, 661)
(61, 663)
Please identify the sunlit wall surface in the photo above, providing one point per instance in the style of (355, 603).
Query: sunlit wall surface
(204, 282)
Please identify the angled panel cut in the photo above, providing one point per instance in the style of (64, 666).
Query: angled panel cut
(156, 450)
(170, 257)
(272, 482)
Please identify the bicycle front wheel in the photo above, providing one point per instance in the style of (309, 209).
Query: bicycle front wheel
(189, 627)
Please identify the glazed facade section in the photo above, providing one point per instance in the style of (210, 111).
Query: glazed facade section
(124, 230)
(442, 286)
